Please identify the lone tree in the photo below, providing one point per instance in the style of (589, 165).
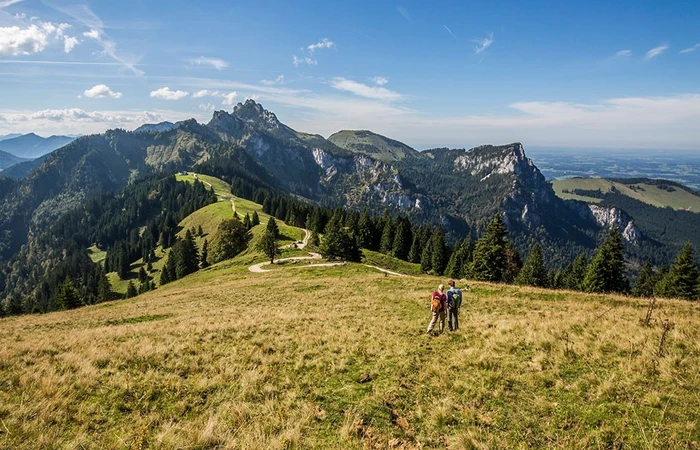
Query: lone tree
(490, 252)
(534, 273)
(269, 246)
(273, 228)
(607, 270)
(682, 279)
(67, 295)
(231, 239)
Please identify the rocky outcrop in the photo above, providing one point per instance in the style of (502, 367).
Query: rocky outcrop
(615, 217)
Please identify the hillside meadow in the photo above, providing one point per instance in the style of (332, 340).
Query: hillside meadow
(337, 357)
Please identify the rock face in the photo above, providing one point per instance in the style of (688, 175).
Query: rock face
(613, 217)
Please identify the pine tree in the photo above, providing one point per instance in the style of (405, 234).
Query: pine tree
(269, 246)
(683, 278)
(131, 290)
(387, 241)
(104, 288)
(124, 264)
(314, 240)
(203, 259)
(273, 228)
(142, 275)
(365, 230)
(14, 306)
(255, 220)
(67, 295)
(246, 222)
(187, 261)
(573, 275)
(606, 272)
(513, 263)
(402, 239)
(339, 244)
(426, 259)
(168, 274)
(645, 282)
(416, 250)
(200, 232)
(534, 273)
(439, 252)
(489, 262)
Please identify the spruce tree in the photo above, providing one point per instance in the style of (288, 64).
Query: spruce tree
(273, 228)
(187, 256)
(231, 239)
(439, 252)
(200, 232)
(104, 288)
(365, 230)
(416, 250)
(339, 244)
(203, 259)
(387, 241)
(682, 279)
(124, 264)
(314, 240)
(489, 262)
(67, 295)
(402, 239)
(255, 220)
(573, 275)
(269, 246)
(426, 259)
(534, 272)
(169, 274)
(246, 222)
(645, 282)
(142, 275)
(513, 263)
(606, 272)
(131, 290)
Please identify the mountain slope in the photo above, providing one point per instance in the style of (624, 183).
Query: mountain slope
(372, 144)
(30, 146)
(8, 160)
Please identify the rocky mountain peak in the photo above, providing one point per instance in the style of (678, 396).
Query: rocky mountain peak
(254, 113)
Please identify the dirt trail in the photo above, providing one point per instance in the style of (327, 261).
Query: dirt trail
(258, 268)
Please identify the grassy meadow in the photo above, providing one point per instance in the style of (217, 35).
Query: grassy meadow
(337, 357)
(647, 193)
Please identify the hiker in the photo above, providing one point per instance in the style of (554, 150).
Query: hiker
(437, 306)
(454, 302)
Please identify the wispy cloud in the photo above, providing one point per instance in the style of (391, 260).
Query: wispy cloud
(101, 91)
(303, 60)
(278, 80)
(404, 12)
(623, 53)
(216, 63)
(85, 16)
(165, 93)
(6, 3)
(483, 43)
(656, 51)
(450, 31)
(690, 49)
(363, 90)
(229, 98)
(381, 81)
(207, 106)
(323, 43)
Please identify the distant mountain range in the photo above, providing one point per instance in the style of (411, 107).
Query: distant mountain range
(8, 160)
(460, 190)
(30, 146)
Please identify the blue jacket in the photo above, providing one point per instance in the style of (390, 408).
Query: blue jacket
(450, 294)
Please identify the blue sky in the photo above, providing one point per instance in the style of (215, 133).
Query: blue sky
(458, 74)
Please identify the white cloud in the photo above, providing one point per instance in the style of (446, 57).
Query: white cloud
(381, 81)
(303, 60)
(165, 93)
(404, 12)
(624, 53)
(6, 3)
(207, 106)
(656, 51)
(34, 38)
(483, 43)
(101, 91)
(690, 49)
(216, 63)
(278, 80)
(363, 90)
(69, 43)
(92, 34)
(228, 98)
(323, 43)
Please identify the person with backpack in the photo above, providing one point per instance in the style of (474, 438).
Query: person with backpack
(438, 301)
(454, 302)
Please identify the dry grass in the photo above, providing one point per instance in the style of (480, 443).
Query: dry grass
(324, 358)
